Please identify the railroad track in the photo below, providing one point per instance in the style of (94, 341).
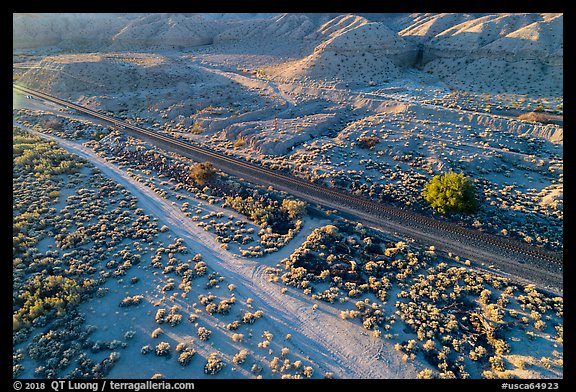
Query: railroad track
(380, 213)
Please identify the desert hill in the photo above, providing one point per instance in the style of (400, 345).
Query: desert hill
(499, 53)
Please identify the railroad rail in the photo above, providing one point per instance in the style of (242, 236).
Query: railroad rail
(381, 213)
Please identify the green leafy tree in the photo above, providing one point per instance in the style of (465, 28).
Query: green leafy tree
(450, 192)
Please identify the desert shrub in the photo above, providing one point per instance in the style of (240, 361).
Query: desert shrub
(275, 364)
(239, 142)
(40, 157)
(536, 117)
(368, 142)
(294, 208)
(204, 333)
(266, 212)
(478, 353)
(44, 294)
(160, 316)
(202, 173)
(146, 349)
(450, 192)
(186, 356)
(497, 364)
(256, 369)
(211, 308)
(234, 325)
(540, 325)
(250, 318)
(255, 209)
(308, 371)
(174, 317)
(131, 301)
(163, 349)
(264, 344)
(447, 375)
(197, 129)
(267, 335)
(225, 305)
(213, 364)
(200, 268)
(425, 374)
(546, 362)
(157, 332)
(240, 357)
(500, 346)
(17, 370)
(238, 337)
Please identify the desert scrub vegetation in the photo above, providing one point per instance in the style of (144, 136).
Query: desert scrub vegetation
(202, 173)
(450, 192)
(214, 363)
(457, 317)
(536, 117)
(267, 212)
(33, 155)
(64, 127)
(186, 356)
(73, 230)
(411, 152)
(162, 349)
(368, 142)
(279, 218)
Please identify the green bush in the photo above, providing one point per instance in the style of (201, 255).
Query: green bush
(450, 192)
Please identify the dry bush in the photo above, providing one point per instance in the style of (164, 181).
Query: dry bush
(163, 349)
(213, 364)
(250, 318)
(240, 357)
(267, 335)
(157, 332)
(368, 142)
(497, 364)
(425, 374)
(202, 173)
(238, 337)
(204, 333)
(186, 356)
(234, 325)
(536, 117)
(160, 316)
(308, 371)
(131, 301)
